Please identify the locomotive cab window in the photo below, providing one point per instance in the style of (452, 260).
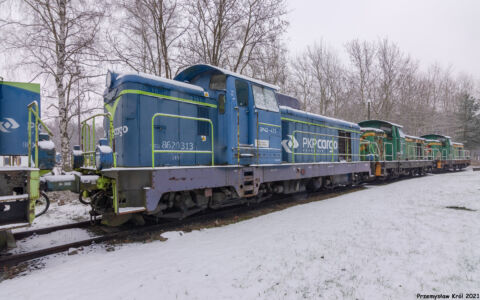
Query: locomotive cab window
(218, 82)
(344, 146)
(242, 92)
(264, 98)
(221, 104)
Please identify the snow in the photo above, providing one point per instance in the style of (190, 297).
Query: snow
(126, 210)
(13, 226)
(238, 75)
(104, 149)
(16, 168)
(316, 116)
(372, 129)
(77, 152)
(51, 239)
(8, 198)
(164, 80)
(414, 137)
(65, 208)
(59, 178)
(75, 173)
(89, 178)
(384, 242)
(46, 145)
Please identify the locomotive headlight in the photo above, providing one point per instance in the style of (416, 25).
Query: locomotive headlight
(108, 81)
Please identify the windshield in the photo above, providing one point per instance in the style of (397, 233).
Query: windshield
(218, 82)
(264, 98)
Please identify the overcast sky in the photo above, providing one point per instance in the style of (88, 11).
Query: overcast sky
(443, 31)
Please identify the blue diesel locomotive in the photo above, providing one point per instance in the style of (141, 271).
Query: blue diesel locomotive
(210, 138)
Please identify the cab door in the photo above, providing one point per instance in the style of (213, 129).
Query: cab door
(245, 119)
(243, 109)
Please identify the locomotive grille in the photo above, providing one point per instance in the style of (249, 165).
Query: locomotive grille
(203, 128)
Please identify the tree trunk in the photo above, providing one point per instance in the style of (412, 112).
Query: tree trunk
(62, 106)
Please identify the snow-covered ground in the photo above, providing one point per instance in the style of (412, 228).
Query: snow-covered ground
(65, 208)
(386, 242)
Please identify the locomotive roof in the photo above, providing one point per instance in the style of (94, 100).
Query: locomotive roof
(435, 136)
(414, 137)
(155, 81)
(285, 100)
(191, 72)
(380, 121)
(303, 114)
(372, 129)
(431, 140)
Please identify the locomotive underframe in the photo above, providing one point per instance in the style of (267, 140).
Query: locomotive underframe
(384, 169)
(452, 164)
(19, 190)
(393, 169)
(155, 191)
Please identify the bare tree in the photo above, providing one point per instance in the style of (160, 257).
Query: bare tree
(228, 33)
(146, 35)
(362, 58)
(57, 38)
(330, 78)
(270, 65)
(302, 82)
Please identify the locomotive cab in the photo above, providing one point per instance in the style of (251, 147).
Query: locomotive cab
(394, 142)
(246, 107)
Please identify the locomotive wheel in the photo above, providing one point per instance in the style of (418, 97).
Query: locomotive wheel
(43, 198)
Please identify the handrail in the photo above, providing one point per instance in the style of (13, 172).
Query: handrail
(385, 151)
(33, 109)
(88, 138)
(181, 151)
(331, 152)
(376, 152)
(414, 154)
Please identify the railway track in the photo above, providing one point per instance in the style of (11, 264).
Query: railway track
(46, 230)
(200, 220)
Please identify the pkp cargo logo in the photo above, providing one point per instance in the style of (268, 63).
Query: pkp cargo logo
(290, 143)
(8, 124)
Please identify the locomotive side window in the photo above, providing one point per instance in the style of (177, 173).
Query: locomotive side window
(242, 92)
(218, 82)
(264, 98)
(221, 104)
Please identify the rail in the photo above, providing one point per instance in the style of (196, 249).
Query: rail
(182, 151)
(33, 110)
(88, 139)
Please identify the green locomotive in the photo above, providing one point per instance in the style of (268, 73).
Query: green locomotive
(393, 153)
(449, 155)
